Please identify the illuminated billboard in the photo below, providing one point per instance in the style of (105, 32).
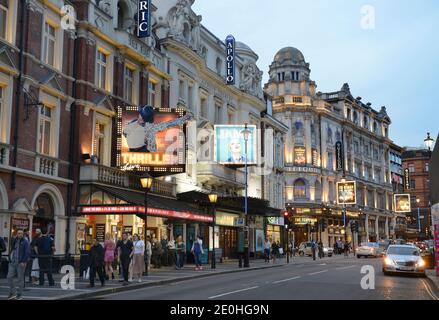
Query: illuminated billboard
(401, 203)
(151, 139)
(230, 144)
(347, 192)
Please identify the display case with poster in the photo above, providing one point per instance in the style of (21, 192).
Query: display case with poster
(229, 146)
(347, 192)
(80, 237)
(151, 139)
(401, 203)
(18, 224)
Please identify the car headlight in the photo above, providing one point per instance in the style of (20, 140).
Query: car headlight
(389, 262)
(420, 263)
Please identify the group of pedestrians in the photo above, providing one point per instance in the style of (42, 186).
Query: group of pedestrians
(39, 252)
(272, 250)
(342, 247)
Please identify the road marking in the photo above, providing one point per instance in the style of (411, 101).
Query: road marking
(232, 292)
(318, 272)
(285, 280)
(28, 297)
(322, 264)
(429, 291)
(344, 268)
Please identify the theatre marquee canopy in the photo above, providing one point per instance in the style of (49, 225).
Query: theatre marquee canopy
(105, 200)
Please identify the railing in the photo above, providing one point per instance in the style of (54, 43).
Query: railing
(297, 100)
(221, 172)
(4, 154)
(46, 165)
(124, 179)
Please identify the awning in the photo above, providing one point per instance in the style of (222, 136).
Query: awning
(157, 206)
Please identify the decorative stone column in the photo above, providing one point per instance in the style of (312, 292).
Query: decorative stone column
(366, 227)
(377, 225)
(387, 228)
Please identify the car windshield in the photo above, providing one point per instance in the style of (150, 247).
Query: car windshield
(370, 244)
(403, 251)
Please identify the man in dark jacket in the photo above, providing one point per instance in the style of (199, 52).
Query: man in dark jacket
(17, 264)
(44, 249)
(96, 263)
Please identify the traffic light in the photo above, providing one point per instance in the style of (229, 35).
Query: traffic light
(286, 214)
(324, 224)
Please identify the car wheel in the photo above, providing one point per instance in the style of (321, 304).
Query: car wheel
(359, 257)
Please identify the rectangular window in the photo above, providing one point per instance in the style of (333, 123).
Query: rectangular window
(411, 168)
(330, 164)
(299, 156)
(99, 142)
(101, 70)
(218, 114)
(152, 93)
(4, 6)
(45, 130)
(426, 167)
(49, 40)
(230, 116)
(181, 93)
(412, 184)
(129, 84)
(1, 103)
(190, 98)
(203, 105)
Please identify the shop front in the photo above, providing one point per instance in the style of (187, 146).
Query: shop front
(275, 229)
(257, 236)
(228, 234)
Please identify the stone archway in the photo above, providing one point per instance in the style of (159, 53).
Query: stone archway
(49, 209)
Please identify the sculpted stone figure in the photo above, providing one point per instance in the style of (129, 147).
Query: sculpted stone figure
(251, 80)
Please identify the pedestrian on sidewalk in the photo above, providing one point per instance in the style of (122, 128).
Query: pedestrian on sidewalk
(124, 255)
(321, 253)
(267, 248)
(109, 253)
(35, 268)
(138, 258)
(17, 264)
(346, 249)
(197, 251)
(45, 248)
(313, 249)
(157, 253)
(148, 252)
(274, 251)
(96, 263)
(180, 253)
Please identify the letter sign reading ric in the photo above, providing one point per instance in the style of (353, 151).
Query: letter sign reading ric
(368, 281)
(144, 19)
(230, 60)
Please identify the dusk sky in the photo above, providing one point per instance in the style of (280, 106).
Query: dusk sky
(396, 64)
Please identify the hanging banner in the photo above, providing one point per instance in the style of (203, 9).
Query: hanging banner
(407, 179)
(347, 192)
(144, 19)
(230, 144)
(230, 60)
(339, 159)
(401, 203)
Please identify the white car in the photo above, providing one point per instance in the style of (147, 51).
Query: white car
(328, 251)
(403, 259)
(368, 249)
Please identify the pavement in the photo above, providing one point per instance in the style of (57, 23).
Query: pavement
(331, 278)
(164, 275)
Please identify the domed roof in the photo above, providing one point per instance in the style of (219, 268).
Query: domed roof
(289, 55)
(242, 46)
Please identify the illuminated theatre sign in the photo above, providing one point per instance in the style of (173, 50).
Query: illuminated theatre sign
(230, 60)
(347, 192)
(144, 18)
(151, 139)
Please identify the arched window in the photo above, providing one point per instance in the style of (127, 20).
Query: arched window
(375, 127)
(122, 15)
(45, 214)
(300, 189)
(365, 122)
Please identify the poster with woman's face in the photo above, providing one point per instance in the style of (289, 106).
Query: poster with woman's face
(402, 203)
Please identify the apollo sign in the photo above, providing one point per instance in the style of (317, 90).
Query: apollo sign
(230, 60)
(144, 19)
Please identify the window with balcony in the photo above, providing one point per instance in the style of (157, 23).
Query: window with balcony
(300, 189)
(129, 84)
(152, 95)
(4, 9)
(45, 130)
(101, 69)
(101, 143)
(49, 42)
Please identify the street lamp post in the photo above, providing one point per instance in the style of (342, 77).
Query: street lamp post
(213, 198)
(343, 180)
(419, 217)
(429, 144)
(246, 133)
(146, 183)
